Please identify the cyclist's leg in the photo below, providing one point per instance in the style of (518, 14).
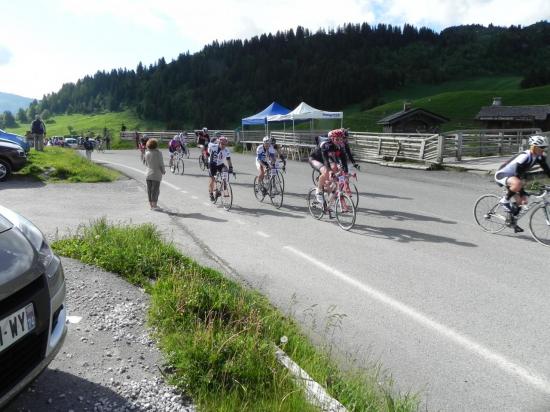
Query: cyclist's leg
(212, 170)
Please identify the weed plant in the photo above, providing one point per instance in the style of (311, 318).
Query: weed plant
(219, 337)
(56, 164)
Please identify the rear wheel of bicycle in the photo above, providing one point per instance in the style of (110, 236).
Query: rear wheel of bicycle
(180, 166)
(315, 176)
(202, 163)
(280, 176)
(539, 224)
(489, 214)
(258, 193)
(316, 209)
(345, 212)
(226, 195)
(276, 191)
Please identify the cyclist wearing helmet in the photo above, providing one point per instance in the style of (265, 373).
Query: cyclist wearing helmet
(218, 153)
(328, 151)
(182, 137)
(173, 146)
(202, 140)
(510, 173)
(265, 155)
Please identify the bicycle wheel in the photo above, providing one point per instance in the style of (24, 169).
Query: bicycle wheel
(226, 195)
(316, 209)
(180, 166)
(280, 176)
(258, 192)
(187, 152)
(202, 163)
(173, 166)
(489, 214)
(345, 211)
(315, 176)
(276, 191)
(353, 193)
(539, 224)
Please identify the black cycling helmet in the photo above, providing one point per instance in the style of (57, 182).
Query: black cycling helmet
(273, 141)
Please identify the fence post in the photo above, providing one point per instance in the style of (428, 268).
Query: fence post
(459, 142)
(440, 151)
(500, 143)
(379, 146)
(422, 149)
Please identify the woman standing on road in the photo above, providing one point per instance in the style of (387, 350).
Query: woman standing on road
(155, 170)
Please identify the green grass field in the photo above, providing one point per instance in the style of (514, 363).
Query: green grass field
(85, 124)
(460, 107)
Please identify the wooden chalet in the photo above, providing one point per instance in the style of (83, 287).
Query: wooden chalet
(498, 116)
(411, 120)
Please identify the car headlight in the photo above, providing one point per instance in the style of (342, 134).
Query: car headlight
(32, 233)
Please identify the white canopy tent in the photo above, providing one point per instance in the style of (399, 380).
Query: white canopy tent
(305, 112)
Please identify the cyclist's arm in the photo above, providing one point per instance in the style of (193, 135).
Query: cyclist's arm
(348, 153)
(344, 160)
(544, 165)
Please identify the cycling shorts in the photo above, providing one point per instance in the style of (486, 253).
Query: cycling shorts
(260, 164)
(316, 164)
(214, 169)
(502, 178)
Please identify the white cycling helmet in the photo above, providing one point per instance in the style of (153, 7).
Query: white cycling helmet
(205, 130)
(539, 141)
(266, 139)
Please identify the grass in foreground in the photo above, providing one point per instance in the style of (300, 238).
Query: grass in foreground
(218, 336)
(56, 164)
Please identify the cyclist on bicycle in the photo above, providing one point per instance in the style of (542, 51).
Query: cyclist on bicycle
(203, 138)
(142, 145)
(510, 173)
(182, 137)
(325, 156)
(265, 155)
(218, 153)
(173, 146)
(348, 149)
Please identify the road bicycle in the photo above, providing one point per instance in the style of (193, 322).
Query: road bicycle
(335, 201)
(492, 217)
(223, 189)
(203, 160)
(176, 162)
(185, 150)
(349, 187)
(101, 147)
(272, 185)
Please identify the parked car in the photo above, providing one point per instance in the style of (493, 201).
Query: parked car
(12, 159)
(71, 142)
(15, 138)
(32, 304)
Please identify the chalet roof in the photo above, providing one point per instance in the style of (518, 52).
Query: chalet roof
(404, 114)
(514, 112)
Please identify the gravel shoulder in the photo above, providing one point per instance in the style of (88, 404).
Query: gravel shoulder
(109, 362)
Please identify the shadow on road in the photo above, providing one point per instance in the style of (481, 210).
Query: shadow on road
(405, 235)
(16, 181)
(61, 391)
(268, 210)
(383, 196)
(400, 216)
(198, 216)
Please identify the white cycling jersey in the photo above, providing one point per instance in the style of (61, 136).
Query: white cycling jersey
(217, 154)
(262, 153)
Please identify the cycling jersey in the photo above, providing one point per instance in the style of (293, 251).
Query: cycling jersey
(217, 155)
(328, 152)
(174, 145)
(262, 153)
(203, 138)
(521, 163)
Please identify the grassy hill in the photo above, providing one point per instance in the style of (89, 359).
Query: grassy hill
(83, 124)
(459, 105)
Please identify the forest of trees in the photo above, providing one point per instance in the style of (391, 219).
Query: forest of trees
(328, 69)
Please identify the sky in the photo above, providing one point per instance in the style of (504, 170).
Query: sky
(46, 43)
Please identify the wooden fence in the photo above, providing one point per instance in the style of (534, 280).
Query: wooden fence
(166, 135)
(418, 147)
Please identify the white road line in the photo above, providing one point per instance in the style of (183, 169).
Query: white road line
(240, 222)
(262, 234)
(194, 197)
(183, 191)
(127, 167)
(538, 381)
(207, 204)
(170, 185)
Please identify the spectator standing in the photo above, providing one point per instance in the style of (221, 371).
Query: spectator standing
(89, 147)
(155, 170)
(137, 139)
(107, 139)
(38, 131)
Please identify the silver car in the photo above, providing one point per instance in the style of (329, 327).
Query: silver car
(32, 304)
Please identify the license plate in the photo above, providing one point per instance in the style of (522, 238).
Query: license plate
(16, 325)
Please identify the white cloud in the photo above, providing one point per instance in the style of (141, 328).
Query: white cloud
(5, 55)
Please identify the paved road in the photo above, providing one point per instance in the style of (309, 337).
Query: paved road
(453, 313)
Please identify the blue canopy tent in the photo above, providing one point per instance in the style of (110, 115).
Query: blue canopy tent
(15, 138)
(261, 117)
